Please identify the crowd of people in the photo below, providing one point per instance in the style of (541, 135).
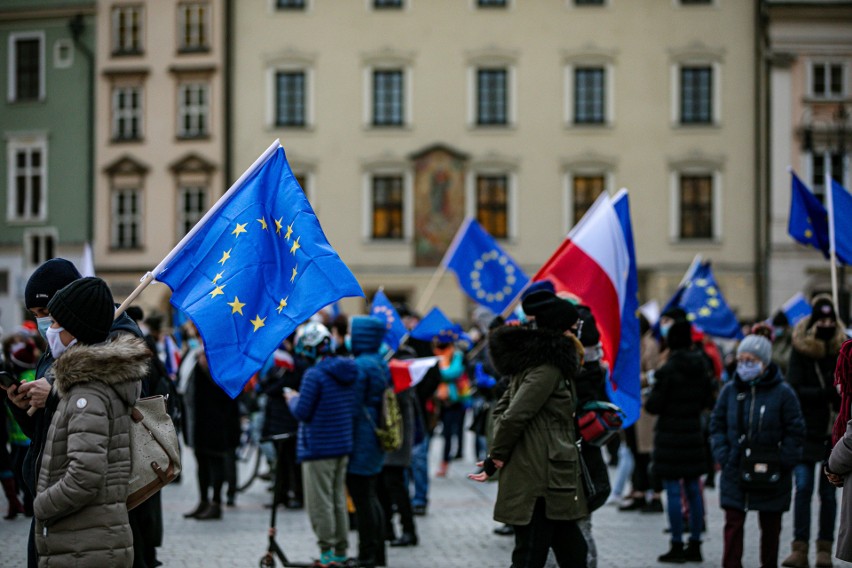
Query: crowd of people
(766, 417)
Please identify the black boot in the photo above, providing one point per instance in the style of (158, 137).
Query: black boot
(213, 512)
(675, 555)
(203, 506)
(693, 551)
(11, 491)
(407, 539)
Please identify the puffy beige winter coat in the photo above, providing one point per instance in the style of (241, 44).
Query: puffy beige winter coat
(80, 510)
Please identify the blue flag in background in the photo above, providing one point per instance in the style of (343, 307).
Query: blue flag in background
(438, 326)
(808, 222)
(796, 308)
(383, 309)
(257, 267)
(487, 274)
(701, 299)
(841, 205)
(627, 370)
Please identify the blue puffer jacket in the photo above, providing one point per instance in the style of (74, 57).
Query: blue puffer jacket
(771, 416)
(373, 378)
(324, 410)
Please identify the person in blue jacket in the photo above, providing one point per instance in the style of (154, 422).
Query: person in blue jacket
(757, 406)
(324, 409)
(366, 335)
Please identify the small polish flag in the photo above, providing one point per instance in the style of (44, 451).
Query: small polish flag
(284, 360)
(407, 373)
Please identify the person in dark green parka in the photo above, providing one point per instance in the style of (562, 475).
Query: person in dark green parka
(540, 491)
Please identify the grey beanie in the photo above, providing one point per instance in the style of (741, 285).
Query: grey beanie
(758, 346)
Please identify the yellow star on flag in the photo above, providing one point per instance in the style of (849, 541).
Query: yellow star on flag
(263, 224)
(713, 303)
(809, 233)
(282, 304)
(236, 306)
(257, 322)
(296, 246)
(295, 272)
(225, 256)
(289, 232)
(241, 228)
(705, 311)
(278, 226)
(217, 277)
(217, 291)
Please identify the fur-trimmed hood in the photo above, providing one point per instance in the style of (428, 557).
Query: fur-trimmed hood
(514, 349)
(805, 342)
(120, 363)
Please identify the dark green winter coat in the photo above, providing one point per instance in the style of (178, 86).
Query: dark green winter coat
(80, 504)
(534, 430)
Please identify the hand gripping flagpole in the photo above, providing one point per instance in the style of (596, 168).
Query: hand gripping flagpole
(151, 276)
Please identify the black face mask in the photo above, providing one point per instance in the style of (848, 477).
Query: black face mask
(825, 333)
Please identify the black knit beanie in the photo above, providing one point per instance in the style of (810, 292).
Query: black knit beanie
(47, 280)
(85, 309)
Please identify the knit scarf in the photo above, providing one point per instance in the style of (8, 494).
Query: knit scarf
(843, 382)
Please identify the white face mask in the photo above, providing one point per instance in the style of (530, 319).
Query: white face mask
(57, 348)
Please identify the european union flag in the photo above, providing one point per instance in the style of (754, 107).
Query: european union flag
(384, 310)
(796, 308)
(487, 274)
(841, 205)
(808, 222)
(701, 299)
(253, 269)
(438, 326)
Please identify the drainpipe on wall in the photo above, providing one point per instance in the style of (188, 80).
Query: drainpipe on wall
(77, 26)
(761, 164)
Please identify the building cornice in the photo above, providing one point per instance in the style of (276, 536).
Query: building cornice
(126, 166)
(438, 147)
(200, 69)
(85, 9)
(589, 54)
(126, 72)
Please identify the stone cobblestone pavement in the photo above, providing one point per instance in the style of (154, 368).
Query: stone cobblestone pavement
(456, 532)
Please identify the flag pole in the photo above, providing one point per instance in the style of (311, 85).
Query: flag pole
(831, 244)
(150, 276)
(442, 268)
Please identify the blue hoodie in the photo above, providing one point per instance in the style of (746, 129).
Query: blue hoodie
(324, 410)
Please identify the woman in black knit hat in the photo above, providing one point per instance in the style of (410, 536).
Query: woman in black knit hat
(81, 486)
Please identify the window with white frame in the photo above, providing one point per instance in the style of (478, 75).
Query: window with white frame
(825, 163)
(193, 110)
(27, 183)
(696, 94)
(589, 95)
(291, 98)
(26, 67)
(193, 34)
(39, 246)
(492, 96)
(126, 219)
(585, 189)
(388, 97)
(126, 113)
(492, 204)
(696, 206)
(828, 79)
(127, 29)
(387, 207)
(192, 205)
(290, 4)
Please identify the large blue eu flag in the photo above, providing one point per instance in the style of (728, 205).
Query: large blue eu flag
(808, 222)
(841, 222)
(383, 309)
(487, 274)
(253, 269)
(704, 304)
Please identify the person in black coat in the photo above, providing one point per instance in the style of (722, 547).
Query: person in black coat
(759, 407)
(680, 393)
(816, 342)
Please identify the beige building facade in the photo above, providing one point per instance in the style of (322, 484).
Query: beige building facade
(402, 117)
(810, 86)
(160, 132)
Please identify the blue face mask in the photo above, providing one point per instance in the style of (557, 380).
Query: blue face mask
(664, 330)
(347, 343)
(193, 343)
(43, 324)
(749, 370)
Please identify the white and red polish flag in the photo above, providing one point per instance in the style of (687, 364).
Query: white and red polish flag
(596, 263)
(406, 373)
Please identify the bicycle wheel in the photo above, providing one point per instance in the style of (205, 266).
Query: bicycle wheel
(249, 457)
